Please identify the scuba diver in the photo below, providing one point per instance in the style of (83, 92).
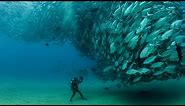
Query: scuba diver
(74, 87)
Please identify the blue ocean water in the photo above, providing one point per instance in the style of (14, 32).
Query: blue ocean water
(36, 62)
(32, 64)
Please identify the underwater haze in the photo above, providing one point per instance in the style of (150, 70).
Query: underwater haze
(121, 52)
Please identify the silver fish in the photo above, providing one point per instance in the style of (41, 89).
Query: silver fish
(117, 12)
(143, 38)
(157, 64)
(149, 60)
(108, 68)
(162, 21)
(133, 42)
(135, 7)
(167, 34)
(152, 35)
(112, 48)
(124, 8)
(128, 10)
(147, 51)
(129, 37)
(159, 14)
(144, 70)
(146, 11)
(124, 66)
(176, 24)
(132, 71)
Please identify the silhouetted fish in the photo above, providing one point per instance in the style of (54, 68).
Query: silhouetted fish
(47, 44)
(106, 88)
(179, 52)
(94, 10)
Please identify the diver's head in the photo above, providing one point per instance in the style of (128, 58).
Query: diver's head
(75, 79)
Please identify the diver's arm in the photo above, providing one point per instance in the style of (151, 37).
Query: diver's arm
(71, 81)
(80, 79)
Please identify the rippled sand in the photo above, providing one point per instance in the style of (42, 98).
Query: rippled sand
(27, 92)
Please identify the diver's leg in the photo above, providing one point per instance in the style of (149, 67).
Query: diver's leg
(74, 92)
(81, 94)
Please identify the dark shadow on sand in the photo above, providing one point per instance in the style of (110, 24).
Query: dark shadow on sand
(151, 97)
(171, 96)
(158, 93)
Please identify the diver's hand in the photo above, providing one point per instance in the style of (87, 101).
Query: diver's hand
(81, 77)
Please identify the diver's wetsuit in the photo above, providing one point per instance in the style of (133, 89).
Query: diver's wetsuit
(74, 87)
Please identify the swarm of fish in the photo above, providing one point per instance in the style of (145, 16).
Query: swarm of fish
(137, 41)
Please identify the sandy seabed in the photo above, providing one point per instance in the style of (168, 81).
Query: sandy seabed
(18, 92)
